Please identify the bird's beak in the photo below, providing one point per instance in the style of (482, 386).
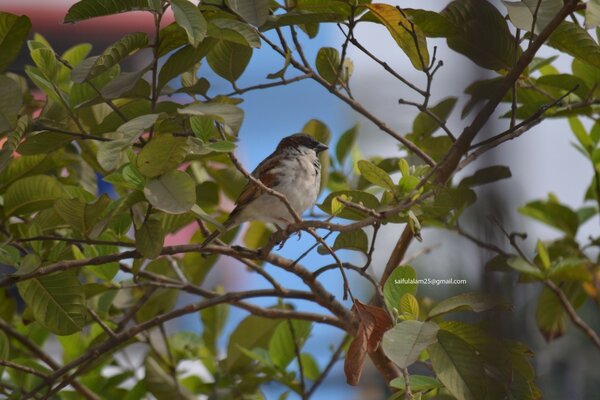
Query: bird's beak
(320, 147)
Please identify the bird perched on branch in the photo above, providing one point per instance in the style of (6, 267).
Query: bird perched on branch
(293, 170)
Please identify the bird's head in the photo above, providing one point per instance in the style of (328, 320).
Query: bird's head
(301, 140)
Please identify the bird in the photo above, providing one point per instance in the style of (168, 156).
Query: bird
(294, 170)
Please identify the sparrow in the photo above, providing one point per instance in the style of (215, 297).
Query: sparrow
(293, 170)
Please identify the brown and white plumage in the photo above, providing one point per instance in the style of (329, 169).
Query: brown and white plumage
(293, 170)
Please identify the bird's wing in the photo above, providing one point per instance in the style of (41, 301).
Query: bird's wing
(262, 172)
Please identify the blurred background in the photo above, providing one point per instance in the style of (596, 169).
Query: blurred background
(541, 161)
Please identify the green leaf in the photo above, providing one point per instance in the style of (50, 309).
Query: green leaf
(405, 341)
(481, 34)
(161, 154)
(417, 383)
(375, 175)
(486, 175)
(432, 23)
(281, 347)
(458, 367)
(550, 313)
(43, 142)
(189, 17)
(183, 60)
(85, 9)
(13, 33)
(424, 125)
(113, 55)
(172, 36)
(161, 384)
(592, 14)
(4, 349)
(476, 302)
(173, 192)
(149, 237)
(310, 367)
(251, 333)
(522, 266)
(356, 196)
(254, 12)
(400, 28)
(402, 280)
(228, 59)
(109, 153)
(521, 13)
(580, 133)
(28, 264)
(11, 100)
(553, 214)
(573, 40)
(213, 322)
(123, 83)
(9, 255)
(352, 240)
(409, 307)
(81, 216)
(57, 301)
(228, 114)
(32, 193)
(243, 33)
(221, 146)
(46, 62)
(328, 64)
(345, 144)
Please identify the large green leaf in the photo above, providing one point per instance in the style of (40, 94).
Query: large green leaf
(553, 214)
(402, 280)
(228, 59)
(149, 237)
(173, 192)
(113, 55)
(251, 333)
(189, 17)
(458, 367)
(476, 302)
(400, 29)
(575, 41)
(405, 341)
(163, 153)
(550, 314)
(242, 33)
(521, 13)
(254, 12)
(228, 114)
(481, 34)
(57, 301)
(13, 32)
(32, 194)
(80, 215)
(183, 60)
(285, 340)
(86, 9)
(11, 100)
(375, 175)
